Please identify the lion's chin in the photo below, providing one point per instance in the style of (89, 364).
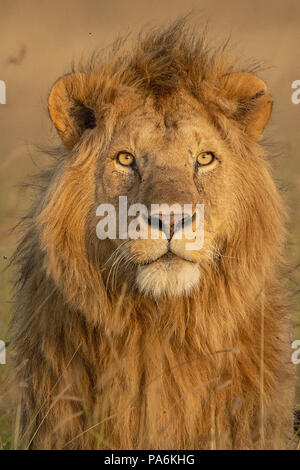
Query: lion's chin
(168, 278)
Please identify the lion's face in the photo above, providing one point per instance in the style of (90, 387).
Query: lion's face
(173, 150)
(170, 157)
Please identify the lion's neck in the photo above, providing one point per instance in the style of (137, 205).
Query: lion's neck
(166, 362)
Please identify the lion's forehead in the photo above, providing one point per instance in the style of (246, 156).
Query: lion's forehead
(144, 130)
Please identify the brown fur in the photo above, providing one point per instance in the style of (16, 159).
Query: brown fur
(105, 366)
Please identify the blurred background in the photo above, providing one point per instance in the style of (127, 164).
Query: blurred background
(39, 40)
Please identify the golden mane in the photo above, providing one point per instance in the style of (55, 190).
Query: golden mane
(106, 369)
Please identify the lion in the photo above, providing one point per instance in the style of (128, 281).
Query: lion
(142, 343)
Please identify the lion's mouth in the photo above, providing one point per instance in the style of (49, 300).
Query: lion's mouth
(168, 276)
(169, 255)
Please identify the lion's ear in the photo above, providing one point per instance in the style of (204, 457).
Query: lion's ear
(253, 101)
(69, 108)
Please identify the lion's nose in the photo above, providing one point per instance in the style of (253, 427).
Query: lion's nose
(170, 223)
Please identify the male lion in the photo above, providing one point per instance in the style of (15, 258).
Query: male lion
(143, 343)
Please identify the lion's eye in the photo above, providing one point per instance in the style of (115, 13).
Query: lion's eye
(205, 158)
(125, 159)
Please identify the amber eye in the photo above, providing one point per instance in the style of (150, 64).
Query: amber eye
(125, 159)
(205, 158)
